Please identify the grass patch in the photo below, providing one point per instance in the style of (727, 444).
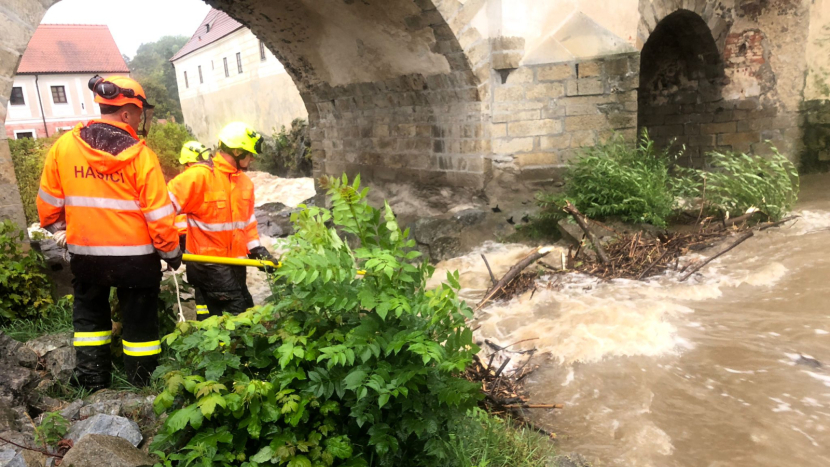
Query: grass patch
(58, 318)
(486, 440)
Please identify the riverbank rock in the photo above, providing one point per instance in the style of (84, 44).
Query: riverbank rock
(9, 458)
(102, 424)
(570, 460)
(16, 383)
(105, 451)
(57, 353)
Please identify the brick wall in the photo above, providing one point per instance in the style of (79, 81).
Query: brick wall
(543, 114)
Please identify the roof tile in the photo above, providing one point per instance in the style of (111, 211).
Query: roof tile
(72, 48)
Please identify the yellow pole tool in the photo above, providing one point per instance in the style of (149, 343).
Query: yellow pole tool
(254, 263)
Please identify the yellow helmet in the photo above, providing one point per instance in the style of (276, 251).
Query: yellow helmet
(193, 151)
(238, 135)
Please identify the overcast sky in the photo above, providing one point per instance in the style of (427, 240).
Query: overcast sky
(132, 22)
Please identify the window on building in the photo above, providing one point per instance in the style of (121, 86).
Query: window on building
(261, 51)
(17, 96)
(226, 67)
(186, 84)
(200, 75)
(58, 94)
(239, 62)
(23, 134)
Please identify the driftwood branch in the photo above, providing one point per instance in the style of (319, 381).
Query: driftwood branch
(513, 272)
(776, 224)
(737, 242)
(492, 277)
(534, 406)
(583, 224)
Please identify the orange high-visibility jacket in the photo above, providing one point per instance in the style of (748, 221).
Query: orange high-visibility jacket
(109, 205)
(181, 223)
(218, 200)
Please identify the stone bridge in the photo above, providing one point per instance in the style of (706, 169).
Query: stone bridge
(471, 93)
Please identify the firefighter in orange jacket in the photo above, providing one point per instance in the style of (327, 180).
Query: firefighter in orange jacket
(102, 195)
(193, 152)
(218, 199)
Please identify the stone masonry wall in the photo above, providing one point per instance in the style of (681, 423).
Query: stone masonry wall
(543, 114)
(18, 21)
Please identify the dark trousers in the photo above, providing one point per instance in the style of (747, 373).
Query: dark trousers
(222, 289)
(137, 289)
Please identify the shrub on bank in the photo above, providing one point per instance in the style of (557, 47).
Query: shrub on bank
(287, 153)
(28, 156)
(640, 184)
(737, 182)
(616, 179)
(340, 369)
(25, 290)
(166, 140)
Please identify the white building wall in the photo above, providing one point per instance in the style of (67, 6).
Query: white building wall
(262, 95)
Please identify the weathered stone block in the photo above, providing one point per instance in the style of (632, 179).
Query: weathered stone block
(555, 142)
(717, 128)
(521, 75)
(545, 91)
(107, 425)
(733, 139)
(507, 94)
(616, 68)
(505, 60)
(578, 108)
(516, 116)
(557, 72)
(534, 128)
(498, 130)
(512, 145)
(580, 139)
(586, 122)
(537, 158)
(701, 140)
(588, 69)
(590, 87)
(571, 88)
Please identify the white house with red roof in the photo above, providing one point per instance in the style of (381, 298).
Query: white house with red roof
(226, 74)
(50, 91)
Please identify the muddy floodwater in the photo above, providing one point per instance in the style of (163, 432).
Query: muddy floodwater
(720, 371)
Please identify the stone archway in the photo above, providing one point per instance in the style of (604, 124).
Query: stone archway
(395, 90)
(681, 80)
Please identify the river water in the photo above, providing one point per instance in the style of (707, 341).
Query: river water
(706, 373)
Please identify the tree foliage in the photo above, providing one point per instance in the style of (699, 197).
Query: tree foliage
(287, 153)
(341, 369)
(152, 68)
(24, 287)
(166, 140)
(28, 156)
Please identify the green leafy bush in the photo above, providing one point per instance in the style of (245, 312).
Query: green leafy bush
(24, 287)
(52, 429)
(737, 182)
(287, 153)
(28, 156)
(617, 179)
(166, 140)
(340, 369)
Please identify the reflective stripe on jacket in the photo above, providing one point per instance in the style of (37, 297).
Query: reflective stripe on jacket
(218, 200)
(110, 205)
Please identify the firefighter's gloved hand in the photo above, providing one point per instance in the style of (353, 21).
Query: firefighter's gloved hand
(175, 262)
(60, 238)
(262, 254)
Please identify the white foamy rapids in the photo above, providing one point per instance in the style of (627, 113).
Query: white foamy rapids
(576, 318)
(585, 329)
(810, 221)
(288, 191)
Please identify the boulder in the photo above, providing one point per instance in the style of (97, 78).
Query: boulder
(9, 458)
(8, 346)
(8, 418)
(444, 248)
(104, 407)
(470, 217)
(45, 344)
(73, 410)
(106, 425)
(61, 363)
(16, 382)
(105, 451)
(24, 356)
(428, 229)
